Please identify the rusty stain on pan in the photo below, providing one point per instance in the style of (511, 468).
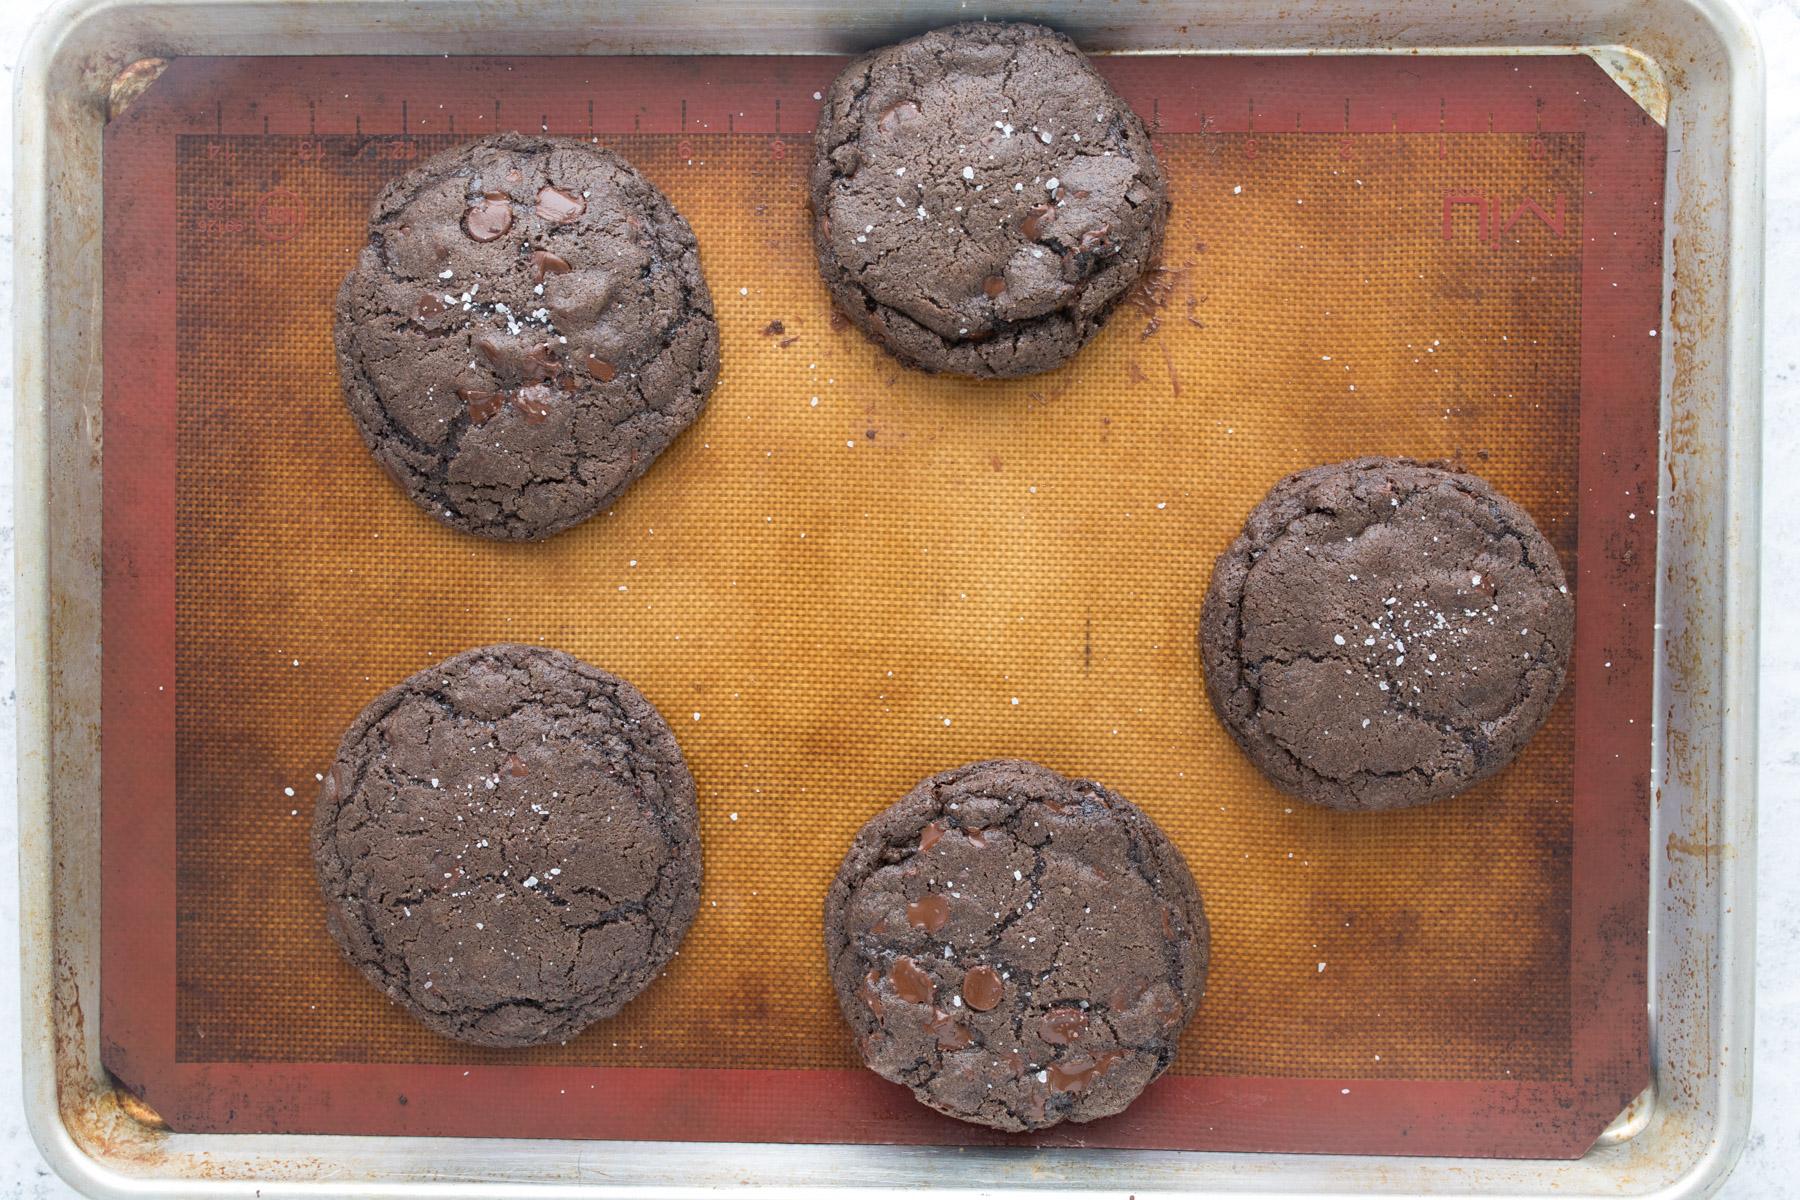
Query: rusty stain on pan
(131, 83)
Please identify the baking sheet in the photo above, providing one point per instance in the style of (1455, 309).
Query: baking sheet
(850, 595)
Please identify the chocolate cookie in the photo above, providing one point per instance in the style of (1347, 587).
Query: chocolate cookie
(508, 845)
(525, 332)
(1384, 633)
(1017, 948)
(982, 198)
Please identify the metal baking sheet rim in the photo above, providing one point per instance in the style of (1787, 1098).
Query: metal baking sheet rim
(1698, 59)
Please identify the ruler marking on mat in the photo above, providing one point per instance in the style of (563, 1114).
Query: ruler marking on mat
(1198, 121)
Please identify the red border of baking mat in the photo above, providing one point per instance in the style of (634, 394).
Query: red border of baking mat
(1622, 172)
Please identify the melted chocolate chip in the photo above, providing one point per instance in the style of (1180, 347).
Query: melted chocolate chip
(910, 981)
(428, 306)
(489, 217)
(515, 766)
(534, 403)
(497, 352)
(1060, 1026)
(890, 120)
(928, 836)
(993, 285)
(1078, 1073)
(539, 364)
(1126, 994)
(930, 913)
(1033, 224)
(951, 1035)
(557, 206)
(870, 994)
(982, 988)
(483, 406)
(545, 264)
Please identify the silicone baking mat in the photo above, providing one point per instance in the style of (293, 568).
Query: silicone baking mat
(848, 575)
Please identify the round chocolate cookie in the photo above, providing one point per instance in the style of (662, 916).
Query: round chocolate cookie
(508, 845)
(1017, 948)
(982, 198)
(1384, 633)
(524, 333)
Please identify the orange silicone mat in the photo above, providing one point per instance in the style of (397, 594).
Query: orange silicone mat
(847, 575)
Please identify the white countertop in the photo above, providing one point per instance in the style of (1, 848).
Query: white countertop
(1771, 1164)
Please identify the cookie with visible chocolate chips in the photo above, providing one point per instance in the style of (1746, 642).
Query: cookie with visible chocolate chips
(1385, 633)
(982, 198)
(526, 330)
(508, 845)
(1018, 948)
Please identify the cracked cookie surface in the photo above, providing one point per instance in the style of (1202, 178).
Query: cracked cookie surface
(982, 198)
(1018, 948)
(508, 845)
(525, 331)
(1385, 633)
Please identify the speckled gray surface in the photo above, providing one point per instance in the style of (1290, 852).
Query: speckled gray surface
(1771, 1164)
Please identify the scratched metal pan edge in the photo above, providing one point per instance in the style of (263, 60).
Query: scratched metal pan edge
(1680, 1139)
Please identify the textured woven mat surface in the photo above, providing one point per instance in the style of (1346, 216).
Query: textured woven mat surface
(847, 575)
